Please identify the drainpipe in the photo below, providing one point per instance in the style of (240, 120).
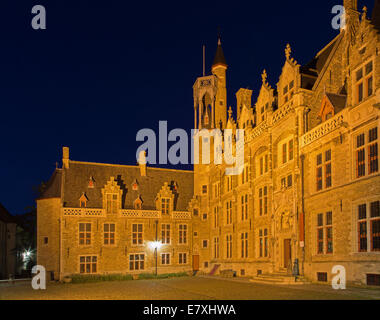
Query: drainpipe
(302, 215)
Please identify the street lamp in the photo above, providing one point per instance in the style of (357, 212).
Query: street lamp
(155, 245)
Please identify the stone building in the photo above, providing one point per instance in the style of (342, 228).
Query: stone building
(7, 244)
(101, 219)
(307, 198)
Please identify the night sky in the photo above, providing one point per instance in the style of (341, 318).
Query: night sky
(102, 70)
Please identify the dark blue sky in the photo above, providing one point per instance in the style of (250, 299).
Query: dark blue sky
(102, 70)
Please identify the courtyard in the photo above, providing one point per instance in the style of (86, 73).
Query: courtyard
(186, 288)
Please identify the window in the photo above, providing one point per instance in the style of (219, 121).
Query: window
(371, 162)
(291, 150)
(88, 264)
(263, 164)
(182, 258)
(165, 258)
(204, 217)
(112, 203)
(216, 248)
(284, 153)
(373, 279)
(85, 233)
(263, 201)
(229, 212)
(195, 212)
(216, 217)
(165, 203)
(369, 240)
(322, 276)
(216, 190)
(364, 82)
(245, 175)
(283, 183)
(263, 243)
(244, 245)
(109, 233)
(229, 246)
(324, 233)
(228, 183)
(136, 261)
(46, 240)
(182, 236)
(323, 174)
(244, 207)
(290, 181)
(137, 234)
(204, 189)
(328, 169)
(165, 233)
(205, 244)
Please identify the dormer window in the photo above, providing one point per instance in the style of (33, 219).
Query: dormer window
(138, 204)
(91, 183)
(135, 186)
(83, 201)
(165, 204)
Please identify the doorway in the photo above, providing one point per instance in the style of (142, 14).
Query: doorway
(195, 262)
(287, 253)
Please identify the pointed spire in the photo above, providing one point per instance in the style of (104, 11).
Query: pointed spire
(288, 51)
(219, 55)
(230, 113)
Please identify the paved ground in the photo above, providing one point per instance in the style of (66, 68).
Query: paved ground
(198, 288)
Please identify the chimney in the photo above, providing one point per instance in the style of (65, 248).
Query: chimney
(65, 157)
(142, 163)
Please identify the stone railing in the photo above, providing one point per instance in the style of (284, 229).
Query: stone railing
(257, 131)
(323, 129)
(86, 212)
(282, 113)
(181, 215)
(130, 213)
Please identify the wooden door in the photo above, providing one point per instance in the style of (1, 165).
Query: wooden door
(287, 252)
(195, 262)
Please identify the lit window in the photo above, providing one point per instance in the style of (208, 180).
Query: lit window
(369, 146)
(369, 240)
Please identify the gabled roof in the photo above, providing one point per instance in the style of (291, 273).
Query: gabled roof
(76, 182)
(5, 216)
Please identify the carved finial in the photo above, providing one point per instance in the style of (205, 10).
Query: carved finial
(264, 76)
(288, 51)
(230, 113)
(365, 10)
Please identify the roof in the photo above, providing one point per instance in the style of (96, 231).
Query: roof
(219, 55)
(337, 100)
(53, 186)
(78, 175)
(5, 216)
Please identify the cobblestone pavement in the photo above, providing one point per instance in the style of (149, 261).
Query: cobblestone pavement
(198, 288)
